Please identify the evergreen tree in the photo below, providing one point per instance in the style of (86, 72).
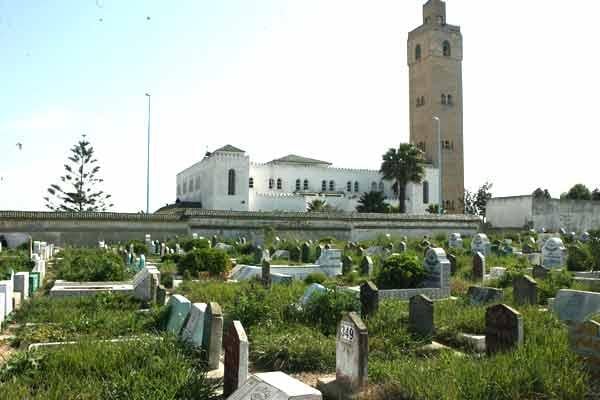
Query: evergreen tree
(372, 202)
(78, 189)
(579, 192)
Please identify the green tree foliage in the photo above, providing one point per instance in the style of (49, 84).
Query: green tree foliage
(476, 202)
(434, 209)
(401, 271)
(579, 192)
(213, 261)
(318, 205)
(541, 194)
(579, 258)
(403, 165)
(77, 191)
(372, 202)
(90, 265)
(596, 195)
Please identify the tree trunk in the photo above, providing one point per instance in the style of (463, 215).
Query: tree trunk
(402, 197)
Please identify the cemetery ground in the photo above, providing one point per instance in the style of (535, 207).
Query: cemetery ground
(294, 336)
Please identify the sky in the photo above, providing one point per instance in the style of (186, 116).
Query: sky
(326, 79)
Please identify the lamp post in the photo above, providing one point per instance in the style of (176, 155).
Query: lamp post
(148, 161)
(439, 161)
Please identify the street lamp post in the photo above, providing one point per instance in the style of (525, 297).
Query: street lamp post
(148, 162)
(439, 159)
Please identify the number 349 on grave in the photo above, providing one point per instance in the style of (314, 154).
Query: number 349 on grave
(347, 333)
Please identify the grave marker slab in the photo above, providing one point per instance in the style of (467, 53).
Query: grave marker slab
(236, 358)
(437, 267)
(503, 328)
(453, 263)
(420, 315)
(455, 241)
(266, 274)
(21, 283)
(366, 266)
(369, 299)
(576, 306)
(193, 331)
(481, 244)
(553, 253)
(179, 307)
(305, 252)
(275, 386)
(482, 295)
(402, 247)
(346, 265)
(478, 266)
(213, 334)
(584, 339)
(352, 352)
(525, 290)
(540, 272)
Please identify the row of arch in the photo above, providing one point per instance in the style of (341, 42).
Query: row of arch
(446, 50)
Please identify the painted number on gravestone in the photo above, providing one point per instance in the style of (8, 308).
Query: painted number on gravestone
(347, 333)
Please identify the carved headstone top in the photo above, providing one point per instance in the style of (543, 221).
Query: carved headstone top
(503, 328)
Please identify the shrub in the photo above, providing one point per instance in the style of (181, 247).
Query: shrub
(138, 247)
(315, 277)
(90, 265)
(167, 272)
(400, 272)
(14, 260)
(190, 244)
(213, 261)
(171, 258)
(555, 281)
(247, 249)
(579, 258)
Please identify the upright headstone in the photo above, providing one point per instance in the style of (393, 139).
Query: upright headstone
(402, 247)
(525, 290)
(193, 331)
(163, 249)
(553, 253)
(540, 272)
(584, 339)
(420, 315)
(148, 242)
(296, 254)
(236, 358)
(478, 266)
(214, 240)
(179, 307)
(369, 299)
(455, 241)
(305, 252)
(503, 328)
(575, 305)
(21, 285)
(437, 267)
(366, 266)
(161, 295)
(346, 265)
(213, 334)
(480, 243)
(352, 353)
(266, 274)
(453, 263)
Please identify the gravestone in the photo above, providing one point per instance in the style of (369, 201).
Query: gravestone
(402, 247)
(540, 272)
(236, 358)
(346, 265)
(296, 254)
(193, 331)
(161, 295)
(34, 282)
(369, 299)
(330, 258)
(163, 249)
(453, 261)
(149, 245)
(585, 237)
(281, 255)
(318, 250)
(275, 386)
(503, 328)
(310, 290)
(266, 274)
(21, 285)
(305, 252)
(525, 290)
(481, 295)
(455, 241)
(437, 267)
(213, 241)
(584, 339)
(366, 266)
(420, 315)
(576, 306)
(213, 334)
(478, 266)
(553, 253)
(377, 251)
(179, 307)
(480, 243)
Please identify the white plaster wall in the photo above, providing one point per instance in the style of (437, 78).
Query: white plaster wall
(510, 212)
(572, 215)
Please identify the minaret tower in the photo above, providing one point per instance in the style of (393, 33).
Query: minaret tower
(435, 80)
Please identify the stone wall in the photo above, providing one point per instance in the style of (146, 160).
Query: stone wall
(89, 228)
(510, 212)
(573, 215)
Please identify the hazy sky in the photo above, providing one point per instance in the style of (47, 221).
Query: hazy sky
(325, 79)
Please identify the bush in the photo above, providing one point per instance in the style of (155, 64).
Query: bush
(90, 265)
(167, 272)
(579, 258)
(138, 247)
(213, 261)
(14, 260)
(315, 277)
(190, 244)
(401, 271)
(175, 258)
(555, 281)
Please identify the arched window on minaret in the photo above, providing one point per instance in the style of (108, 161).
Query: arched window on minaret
(418, 52)
(447, 50)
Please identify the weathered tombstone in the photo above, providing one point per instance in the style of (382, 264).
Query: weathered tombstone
(553, 253)
(482, 295)
(310, 290)
(369, 299)
(161, 295)
(236, 358)
(455, 241)
(481, 244)
(266, 274)
(366, 266)
(179, 307)
(274, 386)
(540, 272)
(213, 334)
(575, 305)
(437, 267)
(21, 285)
(402, 247)
(214, 240)
(584, 339)
(478, 266)
(346, 265)
(525, 290)
(148, 242)
(305, 252)
(163, 249)
(453, 261)
(193, 331)
(503, 328)
(420, 315)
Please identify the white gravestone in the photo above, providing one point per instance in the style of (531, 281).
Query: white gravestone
(275, 386)
(576, 306)
(553, 253)
(480, 243)
(352, 351)
(455, 241)
(330, 258)
(438, 268)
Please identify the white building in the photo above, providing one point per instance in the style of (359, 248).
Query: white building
(226, 179)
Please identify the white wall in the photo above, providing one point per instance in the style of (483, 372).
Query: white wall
(510, 212)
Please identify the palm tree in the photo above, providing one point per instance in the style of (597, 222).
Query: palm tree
(318, 205)
(372, 202)
(403, 166)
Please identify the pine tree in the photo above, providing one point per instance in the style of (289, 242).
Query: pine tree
(80, 181)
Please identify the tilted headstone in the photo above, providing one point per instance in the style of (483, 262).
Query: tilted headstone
(437, 267)
(236, 358)
(420, 315)
(525, 290)
(305, 252)
(179, 307)
(453, 263)
(352, 353)
(478, 266)
(346, 265)
(377, 251)
(503, 328)
(366, 266)
(369, 299)
(193, 331)
(213, 334)
(275, 386)
(480, 243)
(266, 274)
(576, 306)
(553, 253)
(540, 272)
(482, 295)
(455, 241)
